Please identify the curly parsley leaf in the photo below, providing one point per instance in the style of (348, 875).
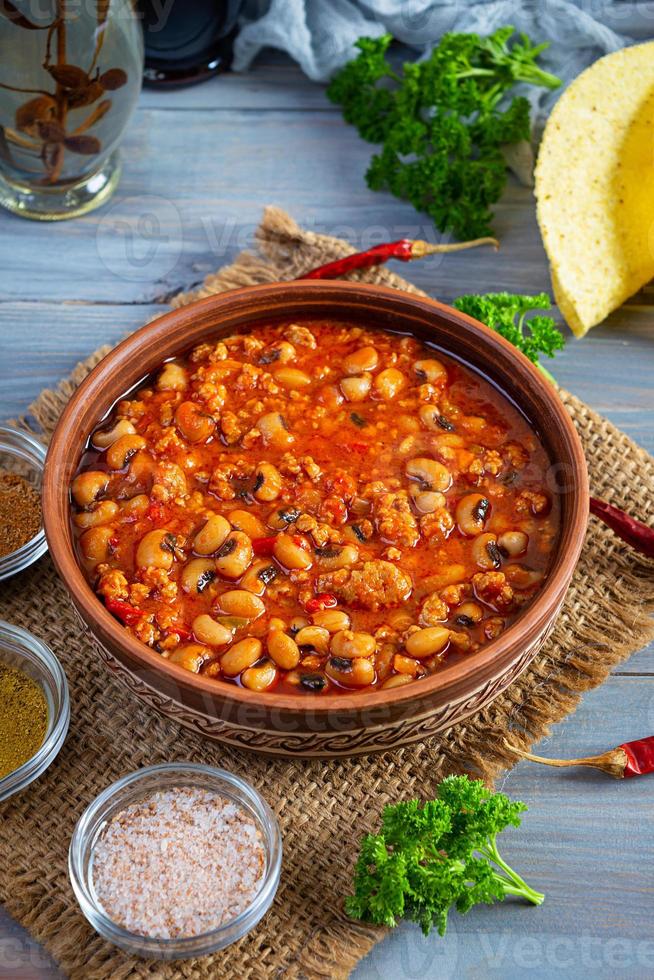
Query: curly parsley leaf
(440, 123)
(507, 314)
(434, 856)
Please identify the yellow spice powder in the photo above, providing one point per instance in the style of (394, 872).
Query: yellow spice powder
(23, 718)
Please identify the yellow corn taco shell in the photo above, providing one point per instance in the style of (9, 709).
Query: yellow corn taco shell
(595, 187)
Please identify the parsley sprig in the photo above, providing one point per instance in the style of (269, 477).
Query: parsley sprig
(440, 122)
(434, 856)
(507, 314)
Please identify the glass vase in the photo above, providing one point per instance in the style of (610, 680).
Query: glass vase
(70, 76)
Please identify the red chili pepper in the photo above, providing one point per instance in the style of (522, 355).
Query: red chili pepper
(324, 600)
(635, 533)
(629, 759)
(182, 632)
(405, 249)
(124, 611)
(357, 447)
(264, 546)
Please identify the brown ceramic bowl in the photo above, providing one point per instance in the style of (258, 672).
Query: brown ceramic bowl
(340, 724)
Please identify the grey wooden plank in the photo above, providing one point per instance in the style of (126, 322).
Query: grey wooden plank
(266, 86)
(41, 343)
(587, 842)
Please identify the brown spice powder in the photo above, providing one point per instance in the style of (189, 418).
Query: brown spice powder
(20, 512)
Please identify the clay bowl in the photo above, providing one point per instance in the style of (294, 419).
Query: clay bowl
(342, 724)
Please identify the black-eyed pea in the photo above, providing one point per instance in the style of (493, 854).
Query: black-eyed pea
(428, 501)
(191, 656)
(298, 623)
(243, 520)
(103, 438)
(431, 474)
(345, 556)
(357, 387)
(406, 665)
(88, 486)
(292, 378)
(390, 383)
(281, 518)
(172, 377)
(332, 620)
(95, 543)
(273, 429)
(241, 656)
(122, 450)
(283, 649)
(348, 644)
(156, 549)
(234, 555)
(102, 513)
(397, 680)
(472, 512)
(211, 535)
(429, 416)
(356, 672)
(468, 614)
(241, 602)
(291, 551)
(485, 552)
(135, 507)
(426, 642)
(142, 467)
(523, 578)
(363, 359)
(275, 623)
(207, 630)
(267, 482)
(513, 543)
(314, 637)
(286, 352)
(260, 574)
(197, 574)
(261, 677)
(193, 423)
(431, 370)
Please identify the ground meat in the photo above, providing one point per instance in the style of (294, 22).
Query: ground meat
(532, 502)
(436, 527)
(394, 518)
(434, 610)
(375, 585)
(113, 585)
(301, 336)
(493, 589)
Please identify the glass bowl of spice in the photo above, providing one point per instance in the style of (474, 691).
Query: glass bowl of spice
(22, 539)
(34, 708)
(176, 860)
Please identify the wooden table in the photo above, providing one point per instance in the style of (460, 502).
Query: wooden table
(199, 165)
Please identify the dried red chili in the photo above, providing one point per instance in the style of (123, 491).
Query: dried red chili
(123, 611)
(405, 249)
(629, 759)
(635, 533)
(324, 600)
(263, 546)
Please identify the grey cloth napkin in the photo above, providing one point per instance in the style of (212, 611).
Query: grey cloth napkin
(320, 34)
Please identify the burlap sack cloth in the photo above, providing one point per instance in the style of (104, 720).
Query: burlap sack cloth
(319, 804)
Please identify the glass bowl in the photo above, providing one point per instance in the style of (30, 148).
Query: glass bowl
(21, 649)
(22, 453)
(134, 787)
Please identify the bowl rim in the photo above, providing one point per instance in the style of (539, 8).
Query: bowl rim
(189, 773)
(532, 621)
